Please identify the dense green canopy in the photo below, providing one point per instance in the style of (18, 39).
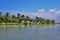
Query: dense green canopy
(7, 18)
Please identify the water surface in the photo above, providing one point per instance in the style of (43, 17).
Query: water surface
(15, 32)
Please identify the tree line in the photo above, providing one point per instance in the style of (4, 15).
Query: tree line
(7, 18)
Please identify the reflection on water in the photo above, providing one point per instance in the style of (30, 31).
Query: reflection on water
(15, 32)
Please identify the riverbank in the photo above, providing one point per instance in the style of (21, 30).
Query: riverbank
(26, 25)
(8, 23)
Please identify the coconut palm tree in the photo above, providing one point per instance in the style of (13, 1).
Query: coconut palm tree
(1, 18)
(48, 21)
(18, 15)
(37, 19)
(0, 13)
(42, 20)
(53, 21)
(6, 17)
(27, 17)
(13, 16)
(22, 16)
(7, 14)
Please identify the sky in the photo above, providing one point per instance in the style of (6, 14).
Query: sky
(48, 9)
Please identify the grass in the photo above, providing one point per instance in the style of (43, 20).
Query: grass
(8, 23)
(27, 24)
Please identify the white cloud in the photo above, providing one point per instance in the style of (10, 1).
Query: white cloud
(41, 11)
(58, 12)
(52, 10)
(51, 14)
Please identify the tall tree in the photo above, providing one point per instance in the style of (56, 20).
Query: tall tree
(27, 17)
(18, 15)
(53, 21)
(37, 19)
(22, 16)
(13, 16)
(42, 20)
(7, 14)
(48, 21)
(6, 17)
(0, 13)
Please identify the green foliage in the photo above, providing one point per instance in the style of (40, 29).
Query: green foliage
(27, 17)
(0, 13)
(18, 15)
(24, 18)
(13, 16)
(1, 21)
(7, 14)
(53, 21)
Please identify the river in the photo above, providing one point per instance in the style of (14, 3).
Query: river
(15, 32)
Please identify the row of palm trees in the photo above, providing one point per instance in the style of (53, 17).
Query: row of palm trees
(19, 18)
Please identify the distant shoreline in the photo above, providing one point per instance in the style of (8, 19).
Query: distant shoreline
(23, 24)
(57, 23)
(23, 19)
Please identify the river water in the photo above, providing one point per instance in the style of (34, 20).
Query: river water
(15, 32)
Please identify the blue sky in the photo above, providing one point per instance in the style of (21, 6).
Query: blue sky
(33, 7)
(28, 5)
